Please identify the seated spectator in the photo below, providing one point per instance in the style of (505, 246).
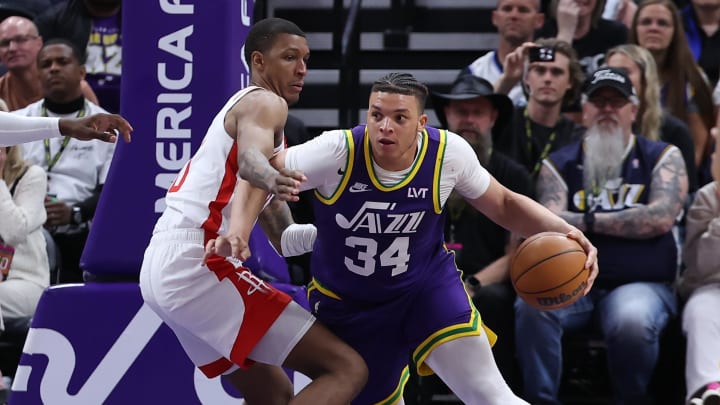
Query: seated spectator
(24, 271)
(94, 26)
(624, 191)
(700, 285)
(76, 170)
(516, 22)
(24, 8)
(482, 248)
(551, 82)
(19, 46)
(580, 24)
(701, 20)
(685, 94)
(651, 121)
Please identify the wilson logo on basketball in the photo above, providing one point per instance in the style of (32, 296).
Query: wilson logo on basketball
(561, 298)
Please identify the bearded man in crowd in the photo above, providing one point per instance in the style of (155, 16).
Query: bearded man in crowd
(625, 192)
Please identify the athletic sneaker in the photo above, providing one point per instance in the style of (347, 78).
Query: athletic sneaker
(711, 396)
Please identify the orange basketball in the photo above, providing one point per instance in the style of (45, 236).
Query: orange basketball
(548, 270)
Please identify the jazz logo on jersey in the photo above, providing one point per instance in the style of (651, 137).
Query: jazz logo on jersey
(375, 218)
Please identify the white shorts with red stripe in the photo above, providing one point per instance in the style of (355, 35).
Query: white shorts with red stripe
(223, 315)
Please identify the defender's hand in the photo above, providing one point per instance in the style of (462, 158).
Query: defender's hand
(287, 184)
(227, 246)
(97, 126)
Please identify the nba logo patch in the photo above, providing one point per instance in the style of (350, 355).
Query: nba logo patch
(635, 164)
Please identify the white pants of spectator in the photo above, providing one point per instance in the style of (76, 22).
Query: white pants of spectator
(701, 326)
(18, 298)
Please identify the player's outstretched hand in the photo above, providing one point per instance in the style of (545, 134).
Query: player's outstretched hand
(97, 126)
(591, 252)
(227, 246)
(287, 184)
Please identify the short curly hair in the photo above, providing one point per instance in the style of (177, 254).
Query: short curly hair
(402, 83)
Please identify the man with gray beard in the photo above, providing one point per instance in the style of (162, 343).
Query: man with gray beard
(603, 165)
(624, 191)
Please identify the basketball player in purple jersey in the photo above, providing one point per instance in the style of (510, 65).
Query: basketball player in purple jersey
(383, 280)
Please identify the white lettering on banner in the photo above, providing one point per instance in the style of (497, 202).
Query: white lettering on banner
(173, 147)
(61, 362)
(245, 20)
(176, 7)
(244, 77)
(245, 15)
(106, 376)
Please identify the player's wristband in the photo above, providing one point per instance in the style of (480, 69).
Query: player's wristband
(297, 239)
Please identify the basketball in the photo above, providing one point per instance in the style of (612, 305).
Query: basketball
(548, 270)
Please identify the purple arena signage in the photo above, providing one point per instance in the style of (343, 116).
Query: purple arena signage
(97, 343)
(181, 60)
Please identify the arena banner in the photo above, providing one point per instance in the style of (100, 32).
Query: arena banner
(182, 59)
(98, 343)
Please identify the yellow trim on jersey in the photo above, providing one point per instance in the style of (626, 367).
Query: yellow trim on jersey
(396, 395)
(316, 285)
(402, 183)
(438, 171)
(349, 163)
(474, 327)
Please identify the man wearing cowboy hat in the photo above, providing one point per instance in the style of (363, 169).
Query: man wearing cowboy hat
(474, 111)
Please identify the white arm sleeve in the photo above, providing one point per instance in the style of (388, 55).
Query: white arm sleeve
(16, 129)
(322, 159)
(462, 170)
(297, 239)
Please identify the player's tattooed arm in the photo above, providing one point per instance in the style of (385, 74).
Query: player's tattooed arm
(274, 219)
(254, 167)
(668, 191)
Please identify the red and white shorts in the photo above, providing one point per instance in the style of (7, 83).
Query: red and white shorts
(223, 315)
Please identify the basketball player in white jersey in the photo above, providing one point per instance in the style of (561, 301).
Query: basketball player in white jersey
(17, 129)
(229, 321)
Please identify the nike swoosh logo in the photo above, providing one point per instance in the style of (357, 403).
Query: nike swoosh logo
(358, 189)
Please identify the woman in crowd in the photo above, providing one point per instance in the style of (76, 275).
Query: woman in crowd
(684, 92)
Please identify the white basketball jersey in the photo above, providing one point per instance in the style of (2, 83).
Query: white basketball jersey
(201, 195)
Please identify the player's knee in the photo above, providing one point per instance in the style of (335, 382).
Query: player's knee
(351, 368)
(279, 394)
(358, 370)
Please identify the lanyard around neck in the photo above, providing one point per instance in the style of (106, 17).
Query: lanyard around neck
(545, 150)
(51, 160)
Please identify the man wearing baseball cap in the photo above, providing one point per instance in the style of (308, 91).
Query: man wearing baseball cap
(624, 191)
(474, 111)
